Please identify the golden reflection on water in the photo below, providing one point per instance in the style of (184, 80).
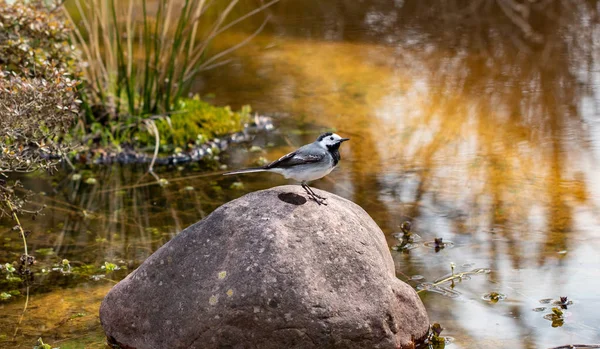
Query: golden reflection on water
(486, 139)
(67, 318)
(493, 151)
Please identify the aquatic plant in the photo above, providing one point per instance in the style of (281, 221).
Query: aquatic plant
(41, 345)
(493, 297)
(407, 238)
(434, 338)
(436, 330)
(557, 317)
(445, 284)
(142, 56)
(109, 267)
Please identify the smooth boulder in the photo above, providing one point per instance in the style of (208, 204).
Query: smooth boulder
(271, 269)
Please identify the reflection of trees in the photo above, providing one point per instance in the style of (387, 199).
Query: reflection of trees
(496, 116)
(122, 217)
(502, 83)
(488, 117)
(366, 186)
(518, 85)
(502, 93)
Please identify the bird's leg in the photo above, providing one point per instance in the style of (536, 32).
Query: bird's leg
(319, 200)
(315, 194)
(310, 194)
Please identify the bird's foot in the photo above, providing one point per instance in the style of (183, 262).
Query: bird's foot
(319, 200)
(312, 193)
(318, 197)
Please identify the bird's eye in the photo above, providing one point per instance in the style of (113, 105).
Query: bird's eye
(331, 138)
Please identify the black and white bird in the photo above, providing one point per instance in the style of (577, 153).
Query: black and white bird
(308, 163)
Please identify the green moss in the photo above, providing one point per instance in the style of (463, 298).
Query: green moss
(195, 122)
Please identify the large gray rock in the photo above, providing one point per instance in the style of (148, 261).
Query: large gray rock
(269, 270)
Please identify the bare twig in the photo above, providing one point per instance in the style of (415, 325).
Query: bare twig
(16, 218)
(22, 314)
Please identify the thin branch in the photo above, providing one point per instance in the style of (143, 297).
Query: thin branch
(16, 218)
(22, 314)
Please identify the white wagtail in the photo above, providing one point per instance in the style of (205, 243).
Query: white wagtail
(308, 163)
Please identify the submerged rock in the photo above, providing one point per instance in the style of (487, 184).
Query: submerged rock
(269, 270)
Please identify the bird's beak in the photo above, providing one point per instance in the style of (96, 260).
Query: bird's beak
(344, 139)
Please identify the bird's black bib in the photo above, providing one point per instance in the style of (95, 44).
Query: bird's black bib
(335, 153)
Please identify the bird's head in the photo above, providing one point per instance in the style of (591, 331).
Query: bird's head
(330, 140)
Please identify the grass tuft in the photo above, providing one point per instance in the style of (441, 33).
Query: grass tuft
(143, 55)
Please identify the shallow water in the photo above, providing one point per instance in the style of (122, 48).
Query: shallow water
(480, 129)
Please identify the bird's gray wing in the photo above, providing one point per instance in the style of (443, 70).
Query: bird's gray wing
(304, 155)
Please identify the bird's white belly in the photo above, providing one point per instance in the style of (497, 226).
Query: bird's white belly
(305, 173)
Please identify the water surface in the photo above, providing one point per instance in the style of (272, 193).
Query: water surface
(476, 122)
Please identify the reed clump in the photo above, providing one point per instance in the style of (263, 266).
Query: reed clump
(142, 56)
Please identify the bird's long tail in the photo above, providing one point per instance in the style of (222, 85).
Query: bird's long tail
(246, 170)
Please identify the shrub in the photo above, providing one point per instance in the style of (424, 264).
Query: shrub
(38, 85)
(34, 113)
(38, 99)
(35, 41)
